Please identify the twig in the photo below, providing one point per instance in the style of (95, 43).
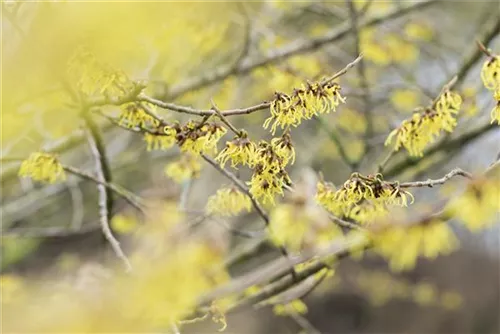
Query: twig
(344, 70)
(202, 112)
(103, 175)
(430, 183)
(225, 120)
(304, 323)
(382, 165)
(239, 184)
(130, 197)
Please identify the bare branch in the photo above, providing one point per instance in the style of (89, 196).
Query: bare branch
(430, 183)
(105, 200)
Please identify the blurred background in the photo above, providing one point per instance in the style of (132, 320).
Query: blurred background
(239, 54)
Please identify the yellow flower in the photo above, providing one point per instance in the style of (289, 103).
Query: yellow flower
(267, 183)
(422, 129)
(43, 167)
(401, 244)
(418, 31)
(283, 148)
(479, 205)
(138, 114)
(161, 141)
(490, 74)
(228, 202)
(200, 138)
(240, 150)
(187, 167)
(362, 198)
(304, 103)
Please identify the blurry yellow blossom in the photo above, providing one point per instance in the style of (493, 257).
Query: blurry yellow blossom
(12, 288)
(404, 99)
(298, 226)
(417, 133)
(240, 150)
(418, 31)
(478, 207)
(402, 244)
(376, 53)
(138, 114)
(304, 103)
(470, 106)
(123, 224)
(451, 300)
(380, 287)
(295, 306)
(187, 167)
(228, 202)
(400, 50)
(352, 121)
(95, 78)
(160, 141)
(43, 167)
(424, 294)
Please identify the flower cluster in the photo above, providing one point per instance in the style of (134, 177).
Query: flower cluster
(490, 75)
(240, 150)
(422, 129)
(95, 78)
(311, 99)
(138, 114)
(402, 244)
(479, 205)
(270, 175)
(43, 167)
(199, 137)
(187, 167)
(161, 141)
(362, 198)
(228, 202)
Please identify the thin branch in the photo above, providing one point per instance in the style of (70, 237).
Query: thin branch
(224, 120)
(103, 175)
(307, 327)
(130, 197)
(344, 70)
(202, 112)
(239, 184)
(430, 183)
